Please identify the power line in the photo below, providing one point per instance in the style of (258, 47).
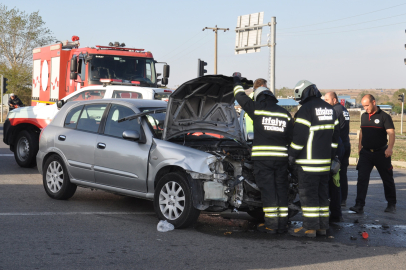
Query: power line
(347, 30)
(183, 52)
(344, 18)
(343, 25)
(183, 44)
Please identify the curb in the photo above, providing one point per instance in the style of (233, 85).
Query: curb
(354, 161)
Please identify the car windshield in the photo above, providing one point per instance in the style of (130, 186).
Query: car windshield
(124, 68)
(155, 121)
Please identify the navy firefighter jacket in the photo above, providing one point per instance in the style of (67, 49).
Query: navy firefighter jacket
(315, 136)
(273, 125)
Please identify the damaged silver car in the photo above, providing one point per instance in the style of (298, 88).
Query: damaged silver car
(187, 156)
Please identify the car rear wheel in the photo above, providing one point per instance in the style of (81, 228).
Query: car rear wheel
(56, 179)
(26, 148)
(173, 201)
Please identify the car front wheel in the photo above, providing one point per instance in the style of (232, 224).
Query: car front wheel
(26, 148)
(56, 179)
(173, 200)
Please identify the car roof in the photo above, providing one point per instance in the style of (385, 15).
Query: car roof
(134, 102)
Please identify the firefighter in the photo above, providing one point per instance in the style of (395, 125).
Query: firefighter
(375, 150)
(273, 127)
(315, 140)
(344, 151)
(14, 102)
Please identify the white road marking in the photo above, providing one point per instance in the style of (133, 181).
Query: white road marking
(6, 155)
(74, 213)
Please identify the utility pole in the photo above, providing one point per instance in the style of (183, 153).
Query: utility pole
(1, 91)
(401, 98)
(215, 29)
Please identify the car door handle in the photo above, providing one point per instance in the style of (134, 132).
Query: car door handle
(61, 137)
(101, 145)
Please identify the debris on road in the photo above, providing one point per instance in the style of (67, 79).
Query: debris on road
(353, 238)
(164, 226)
(365, 235)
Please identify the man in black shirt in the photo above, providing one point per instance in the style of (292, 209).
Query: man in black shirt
(374, 150)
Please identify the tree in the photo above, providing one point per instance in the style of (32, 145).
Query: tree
(20, 33)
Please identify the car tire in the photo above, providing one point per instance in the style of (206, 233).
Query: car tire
(26, 148)
(56, 179)
(173, 200)
(257, 214)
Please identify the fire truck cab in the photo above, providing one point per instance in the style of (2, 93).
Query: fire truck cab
(63, 68)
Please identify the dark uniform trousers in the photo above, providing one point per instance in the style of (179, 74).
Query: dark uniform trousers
(343, 170)
(315, 208)
(271, 177)
(367, 161)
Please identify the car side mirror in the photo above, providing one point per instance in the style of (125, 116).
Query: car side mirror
(164, 81)
(60, 103)
(131, 135)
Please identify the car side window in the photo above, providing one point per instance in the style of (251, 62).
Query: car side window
(126, 94)
(116, 129)
(90, 118)
(72, 117)
(88, 95)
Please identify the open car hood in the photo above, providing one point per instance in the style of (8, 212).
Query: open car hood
(204, 104)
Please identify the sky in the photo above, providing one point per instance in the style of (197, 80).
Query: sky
(346, 44)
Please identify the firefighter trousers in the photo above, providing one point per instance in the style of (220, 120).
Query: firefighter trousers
(343, 170)
(313, 195)
(367, 161)
(271, 176)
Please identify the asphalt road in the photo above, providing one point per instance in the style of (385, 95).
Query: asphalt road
(99, 230)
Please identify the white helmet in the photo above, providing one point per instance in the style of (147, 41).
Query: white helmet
(305, 89)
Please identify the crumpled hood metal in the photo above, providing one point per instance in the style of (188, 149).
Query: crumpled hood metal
(164, 153)
(204, 104)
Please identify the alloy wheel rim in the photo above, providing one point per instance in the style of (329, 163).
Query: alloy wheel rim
(54, 176)
(172, 200)
(23, 148)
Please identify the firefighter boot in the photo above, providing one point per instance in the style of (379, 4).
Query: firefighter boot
(357, 208)
(321, 232)
(262, 228)
(302, 232)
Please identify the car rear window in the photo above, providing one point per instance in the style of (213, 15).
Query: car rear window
(126, 94)
(88, 95)
(90, 118)
(72, 117)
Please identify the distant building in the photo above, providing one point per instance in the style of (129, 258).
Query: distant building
(386, 108)
(287, 103)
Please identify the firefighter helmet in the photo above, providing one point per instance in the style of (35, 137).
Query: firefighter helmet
(262, 91)
(305, 89)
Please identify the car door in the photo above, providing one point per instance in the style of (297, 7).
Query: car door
(119, 162)
(77, 139)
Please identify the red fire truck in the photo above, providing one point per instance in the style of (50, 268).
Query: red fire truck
(63, 69)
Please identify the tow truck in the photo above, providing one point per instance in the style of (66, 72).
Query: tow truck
(63, 72)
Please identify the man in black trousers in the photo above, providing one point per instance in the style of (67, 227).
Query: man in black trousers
(375, 150)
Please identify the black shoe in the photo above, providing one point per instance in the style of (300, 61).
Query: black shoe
(344, 203)
(391, 208)
(357, 209)
(262, 228)
(321, 232)
(336, 219)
